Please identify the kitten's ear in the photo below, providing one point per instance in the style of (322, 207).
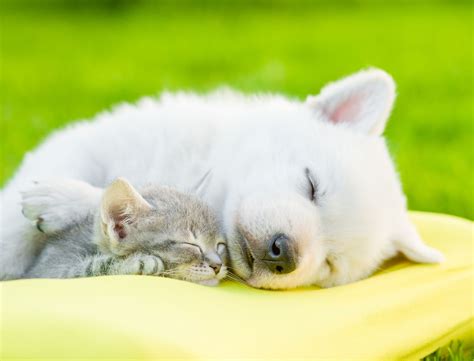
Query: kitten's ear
(121, 205)
(410, 244)
(362, 101)
(201, 185)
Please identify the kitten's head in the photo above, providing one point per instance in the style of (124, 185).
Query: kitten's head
(178, 228)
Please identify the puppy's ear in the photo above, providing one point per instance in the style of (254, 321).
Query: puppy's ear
(121, 205)
(409, 243)
(362, 101)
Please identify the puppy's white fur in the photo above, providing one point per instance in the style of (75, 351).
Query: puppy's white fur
(258, 148)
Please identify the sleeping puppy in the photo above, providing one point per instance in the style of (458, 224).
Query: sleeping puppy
(306, 192)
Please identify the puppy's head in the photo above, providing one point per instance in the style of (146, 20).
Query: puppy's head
(320, 202)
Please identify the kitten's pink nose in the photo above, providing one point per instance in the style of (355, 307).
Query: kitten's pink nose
(216, 267)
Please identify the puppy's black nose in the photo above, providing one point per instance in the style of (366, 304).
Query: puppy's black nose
(280, 257)
(216, 267)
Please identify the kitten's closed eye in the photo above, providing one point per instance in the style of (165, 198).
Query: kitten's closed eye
(186, 246)
(191, 246)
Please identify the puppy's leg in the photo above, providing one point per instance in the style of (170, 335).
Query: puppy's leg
(63, 155)
(17, 252)
(20, 242)
(55, 204)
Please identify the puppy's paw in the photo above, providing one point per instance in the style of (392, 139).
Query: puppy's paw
(53, 205)
(141, 264)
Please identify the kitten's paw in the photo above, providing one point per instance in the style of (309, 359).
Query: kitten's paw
(53, 205)
(141, 264)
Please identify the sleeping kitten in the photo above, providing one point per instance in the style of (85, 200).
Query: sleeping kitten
(158, 231)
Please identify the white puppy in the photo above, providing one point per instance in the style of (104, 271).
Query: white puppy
(306, 191)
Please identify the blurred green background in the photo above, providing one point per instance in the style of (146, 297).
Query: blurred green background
(66, 60)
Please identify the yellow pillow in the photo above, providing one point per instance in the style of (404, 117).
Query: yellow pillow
(405, 311)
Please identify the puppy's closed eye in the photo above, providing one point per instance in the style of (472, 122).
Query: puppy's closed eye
(329, 264)
(313, 186)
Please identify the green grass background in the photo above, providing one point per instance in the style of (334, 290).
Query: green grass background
(62, 61)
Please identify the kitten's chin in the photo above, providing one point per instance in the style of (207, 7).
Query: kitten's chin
(212, 282)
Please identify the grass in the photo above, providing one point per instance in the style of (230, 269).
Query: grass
(453, 352)
(63, 63)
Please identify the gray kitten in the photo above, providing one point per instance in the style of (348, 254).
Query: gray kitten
(158, 231)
